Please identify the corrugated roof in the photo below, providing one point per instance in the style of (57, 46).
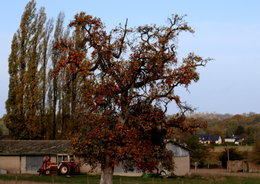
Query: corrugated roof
(34, 147)
(182, 145)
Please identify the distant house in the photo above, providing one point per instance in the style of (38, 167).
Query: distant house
(26, 156)
(209, 139)
(235, 139)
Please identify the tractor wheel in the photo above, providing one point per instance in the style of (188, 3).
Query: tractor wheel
(64, 169)
(163, 173)
(47, 172)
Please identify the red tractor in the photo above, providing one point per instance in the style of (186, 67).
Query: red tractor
(63, 167)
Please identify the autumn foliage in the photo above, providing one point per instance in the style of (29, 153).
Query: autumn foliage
(108, 90)
(40, 105)
(130, 75)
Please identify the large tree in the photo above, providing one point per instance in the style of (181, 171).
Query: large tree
(129, 77)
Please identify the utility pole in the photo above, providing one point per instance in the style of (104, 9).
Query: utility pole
(227, 157)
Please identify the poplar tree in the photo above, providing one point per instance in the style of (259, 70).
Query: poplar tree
(32, 91)
(15, 118)
(45, 55)
(24, 103)
(54, 88)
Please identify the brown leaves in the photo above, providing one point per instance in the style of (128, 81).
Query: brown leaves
(82, 20)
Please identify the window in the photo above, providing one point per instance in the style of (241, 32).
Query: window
(64, 157)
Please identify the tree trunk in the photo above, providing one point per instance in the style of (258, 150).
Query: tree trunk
(106, 171)
(107, 175)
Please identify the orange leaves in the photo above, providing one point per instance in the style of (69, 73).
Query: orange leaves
(82, 19)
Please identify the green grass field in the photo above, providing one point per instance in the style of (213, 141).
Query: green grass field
(239, 148)
(89, 179)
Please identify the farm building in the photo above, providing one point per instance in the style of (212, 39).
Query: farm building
(181, 160)
(26, 156)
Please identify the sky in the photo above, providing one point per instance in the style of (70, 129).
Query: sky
(226, 31)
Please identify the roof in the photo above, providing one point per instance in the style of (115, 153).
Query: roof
(181, 145)
(34, 147)
(207, 137)
(235, 137)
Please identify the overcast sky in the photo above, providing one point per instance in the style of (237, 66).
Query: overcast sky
(226, 30)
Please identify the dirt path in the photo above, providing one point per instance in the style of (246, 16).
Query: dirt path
(224, 172)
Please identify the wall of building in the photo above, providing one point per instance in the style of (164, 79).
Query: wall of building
(10, 163)
(181, 166)
(219, 141)
(229, 140)
(30, 164)
(121, 172)
(23, 164)
(181, 160)
(86, 168)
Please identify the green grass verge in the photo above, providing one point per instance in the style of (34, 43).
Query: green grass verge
(239, 148)
(94, 179)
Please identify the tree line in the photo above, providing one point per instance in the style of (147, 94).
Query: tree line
(40, 104)
(247, 125)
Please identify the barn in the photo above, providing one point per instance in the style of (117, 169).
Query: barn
(26, 156)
